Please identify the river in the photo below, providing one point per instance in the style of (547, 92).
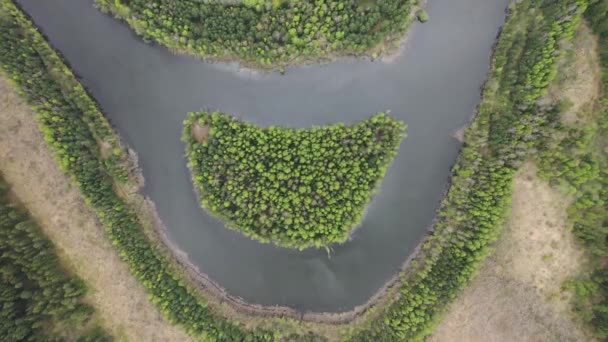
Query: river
(145, 91)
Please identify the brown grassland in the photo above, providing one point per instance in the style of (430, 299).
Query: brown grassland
(517, 294)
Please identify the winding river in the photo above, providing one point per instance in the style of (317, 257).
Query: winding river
(434, 86)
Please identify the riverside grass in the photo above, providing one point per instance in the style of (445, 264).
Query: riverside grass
(292, 187)
(471, 214)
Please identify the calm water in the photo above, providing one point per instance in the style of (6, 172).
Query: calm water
(146, 92)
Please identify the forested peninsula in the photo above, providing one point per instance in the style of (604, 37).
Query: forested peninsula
(268, 34)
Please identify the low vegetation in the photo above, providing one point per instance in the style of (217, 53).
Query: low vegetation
(267, 33)
(422, 16)
(295, 188)
(39, 299)
(524, 289)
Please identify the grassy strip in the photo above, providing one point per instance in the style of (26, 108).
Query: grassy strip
(71, 130)
(294, 188)
(40, 300)
(575, 157)
(264, 33)
(509, 125)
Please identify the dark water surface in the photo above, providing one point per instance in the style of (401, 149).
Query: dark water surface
(146, 92)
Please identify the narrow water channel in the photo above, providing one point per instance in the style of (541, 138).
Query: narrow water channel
(434, 86)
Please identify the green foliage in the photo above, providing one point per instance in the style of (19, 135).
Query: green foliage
(576, 157)
(71, 132)
(508, 126)
(422, 16)
(292, 187)
(39, 300)
(265, 32)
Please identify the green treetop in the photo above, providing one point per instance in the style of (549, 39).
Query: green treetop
(292, 187)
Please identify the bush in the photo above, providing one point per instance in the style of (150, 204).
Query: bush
(508, 126)
(422, 16)
(576, 157)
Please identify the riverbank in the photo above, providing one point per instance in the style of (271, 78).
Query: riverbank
(126, 192)
(529, 287)
(294, 188)
(292, 53)
(475, 208)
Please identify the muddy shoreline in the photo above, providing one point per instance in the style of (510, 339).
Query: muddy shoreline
(219, 295)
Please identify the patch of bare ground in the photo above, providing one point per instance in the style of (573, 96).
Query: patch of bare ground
(121, 302)
(517, 293)
(200, 133)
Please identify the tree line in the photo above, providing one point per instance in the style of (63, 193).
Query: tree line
(265, 33)
(292, 187)
(509, 126)
(39, 299)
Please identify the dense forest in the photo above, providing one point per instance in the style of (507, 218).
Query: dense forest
(296, 188)
(39, 299)
(575, 157)
(266, 33)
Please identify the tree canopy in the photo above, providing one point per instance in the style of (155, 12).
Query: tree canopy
(293, 187)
